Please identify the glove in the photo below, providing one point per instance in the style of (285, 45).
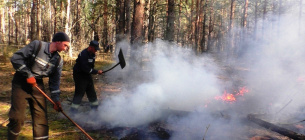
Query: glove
(57, 106)
(31, 81)
(99, 72)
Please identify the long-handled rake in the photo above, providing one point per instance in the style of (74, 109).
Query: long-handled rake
(44, 94)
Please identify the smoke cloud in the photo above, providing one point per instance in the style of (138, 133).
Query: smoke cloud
(177, 79)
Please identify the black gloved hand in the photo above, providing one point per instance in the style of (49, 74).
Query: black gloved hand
(57, 106)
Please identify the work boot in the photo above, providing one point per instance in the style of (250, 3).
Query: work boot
(11, 135)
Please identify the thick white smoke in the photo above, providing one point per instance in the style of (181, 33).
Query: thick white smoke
(179, 80)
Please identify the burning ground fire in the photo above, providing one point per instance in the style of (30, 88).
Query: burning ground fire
(230, 97)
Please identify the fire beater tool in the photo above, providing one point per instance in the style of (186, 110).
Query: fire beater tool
(121, 62)
(44, 94)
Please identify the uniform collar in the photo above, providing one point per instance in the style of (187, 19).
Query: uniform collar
(47, 50)
(90, 54)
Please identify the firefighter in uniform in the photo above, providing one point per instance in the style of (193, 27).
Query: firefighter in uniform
(33, 62)
(82, 71)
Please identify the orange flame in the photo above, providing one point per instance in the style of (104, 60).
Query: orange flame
(229, 97)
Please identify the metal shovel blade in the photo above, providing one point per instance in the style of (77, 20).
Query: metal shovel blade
(121, 62)
(121, 59)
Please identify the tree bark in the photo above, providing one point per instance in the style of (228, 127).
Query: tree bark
(231, 32)
(203, 39)
(38, 21)
(179, 22)
(120, 20)
(33, 19)
(146, 21)
(264, 17)
(67, 26)
(77, 22)
(16, 25)
(192, 28)
(2, 25)
(62, 14)
(9, 24)
(170, 26)
(27, 23)
(198, 7)
(55, 14)
(245, 14)
(300, 17)
(105, 19)
(255, 19)
(152, 17)
(137, 24)
(127, 20)
(211, 27)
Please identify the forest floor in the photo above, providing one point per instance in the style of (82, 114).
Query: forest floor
(59, 126)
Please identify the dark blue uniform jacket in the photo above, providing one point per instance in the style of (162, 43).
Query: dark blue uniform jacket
(85, 63)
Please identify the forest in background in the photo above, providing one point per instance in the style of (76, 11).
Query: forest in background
(203, 25)
(227, 28)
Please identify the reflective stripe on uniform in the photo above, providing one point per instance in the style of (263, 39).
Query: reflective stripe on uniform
(95, 103)
(76, 106)
(39, 138)
(23, 66)
(41, 61)
(55, 91)
(14, 133)
(90, 71)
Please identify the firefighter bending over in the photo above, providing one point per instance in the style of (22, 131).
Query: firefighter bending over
(32, 63)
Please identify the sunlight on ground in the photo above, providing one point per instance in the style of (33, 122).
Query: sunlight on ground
(59, 128)
(4, 107)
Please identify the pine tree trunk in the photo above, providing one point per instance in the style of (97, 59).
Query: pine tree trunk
(127, 20)
(197, 26)
(16, 25)
(244, 23)
(33, 19)
(55, 15)
(120, 20)
(170, 26)
(77, 28)
(152, 17)
(2, 24)
(179, 22)
(9, 25)
(105, 19)
(137, 24)
(38, 20)
(203, 39)
(146, 19)
(211, 27)
(264, 18)
(231, 32)
(67, 26)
